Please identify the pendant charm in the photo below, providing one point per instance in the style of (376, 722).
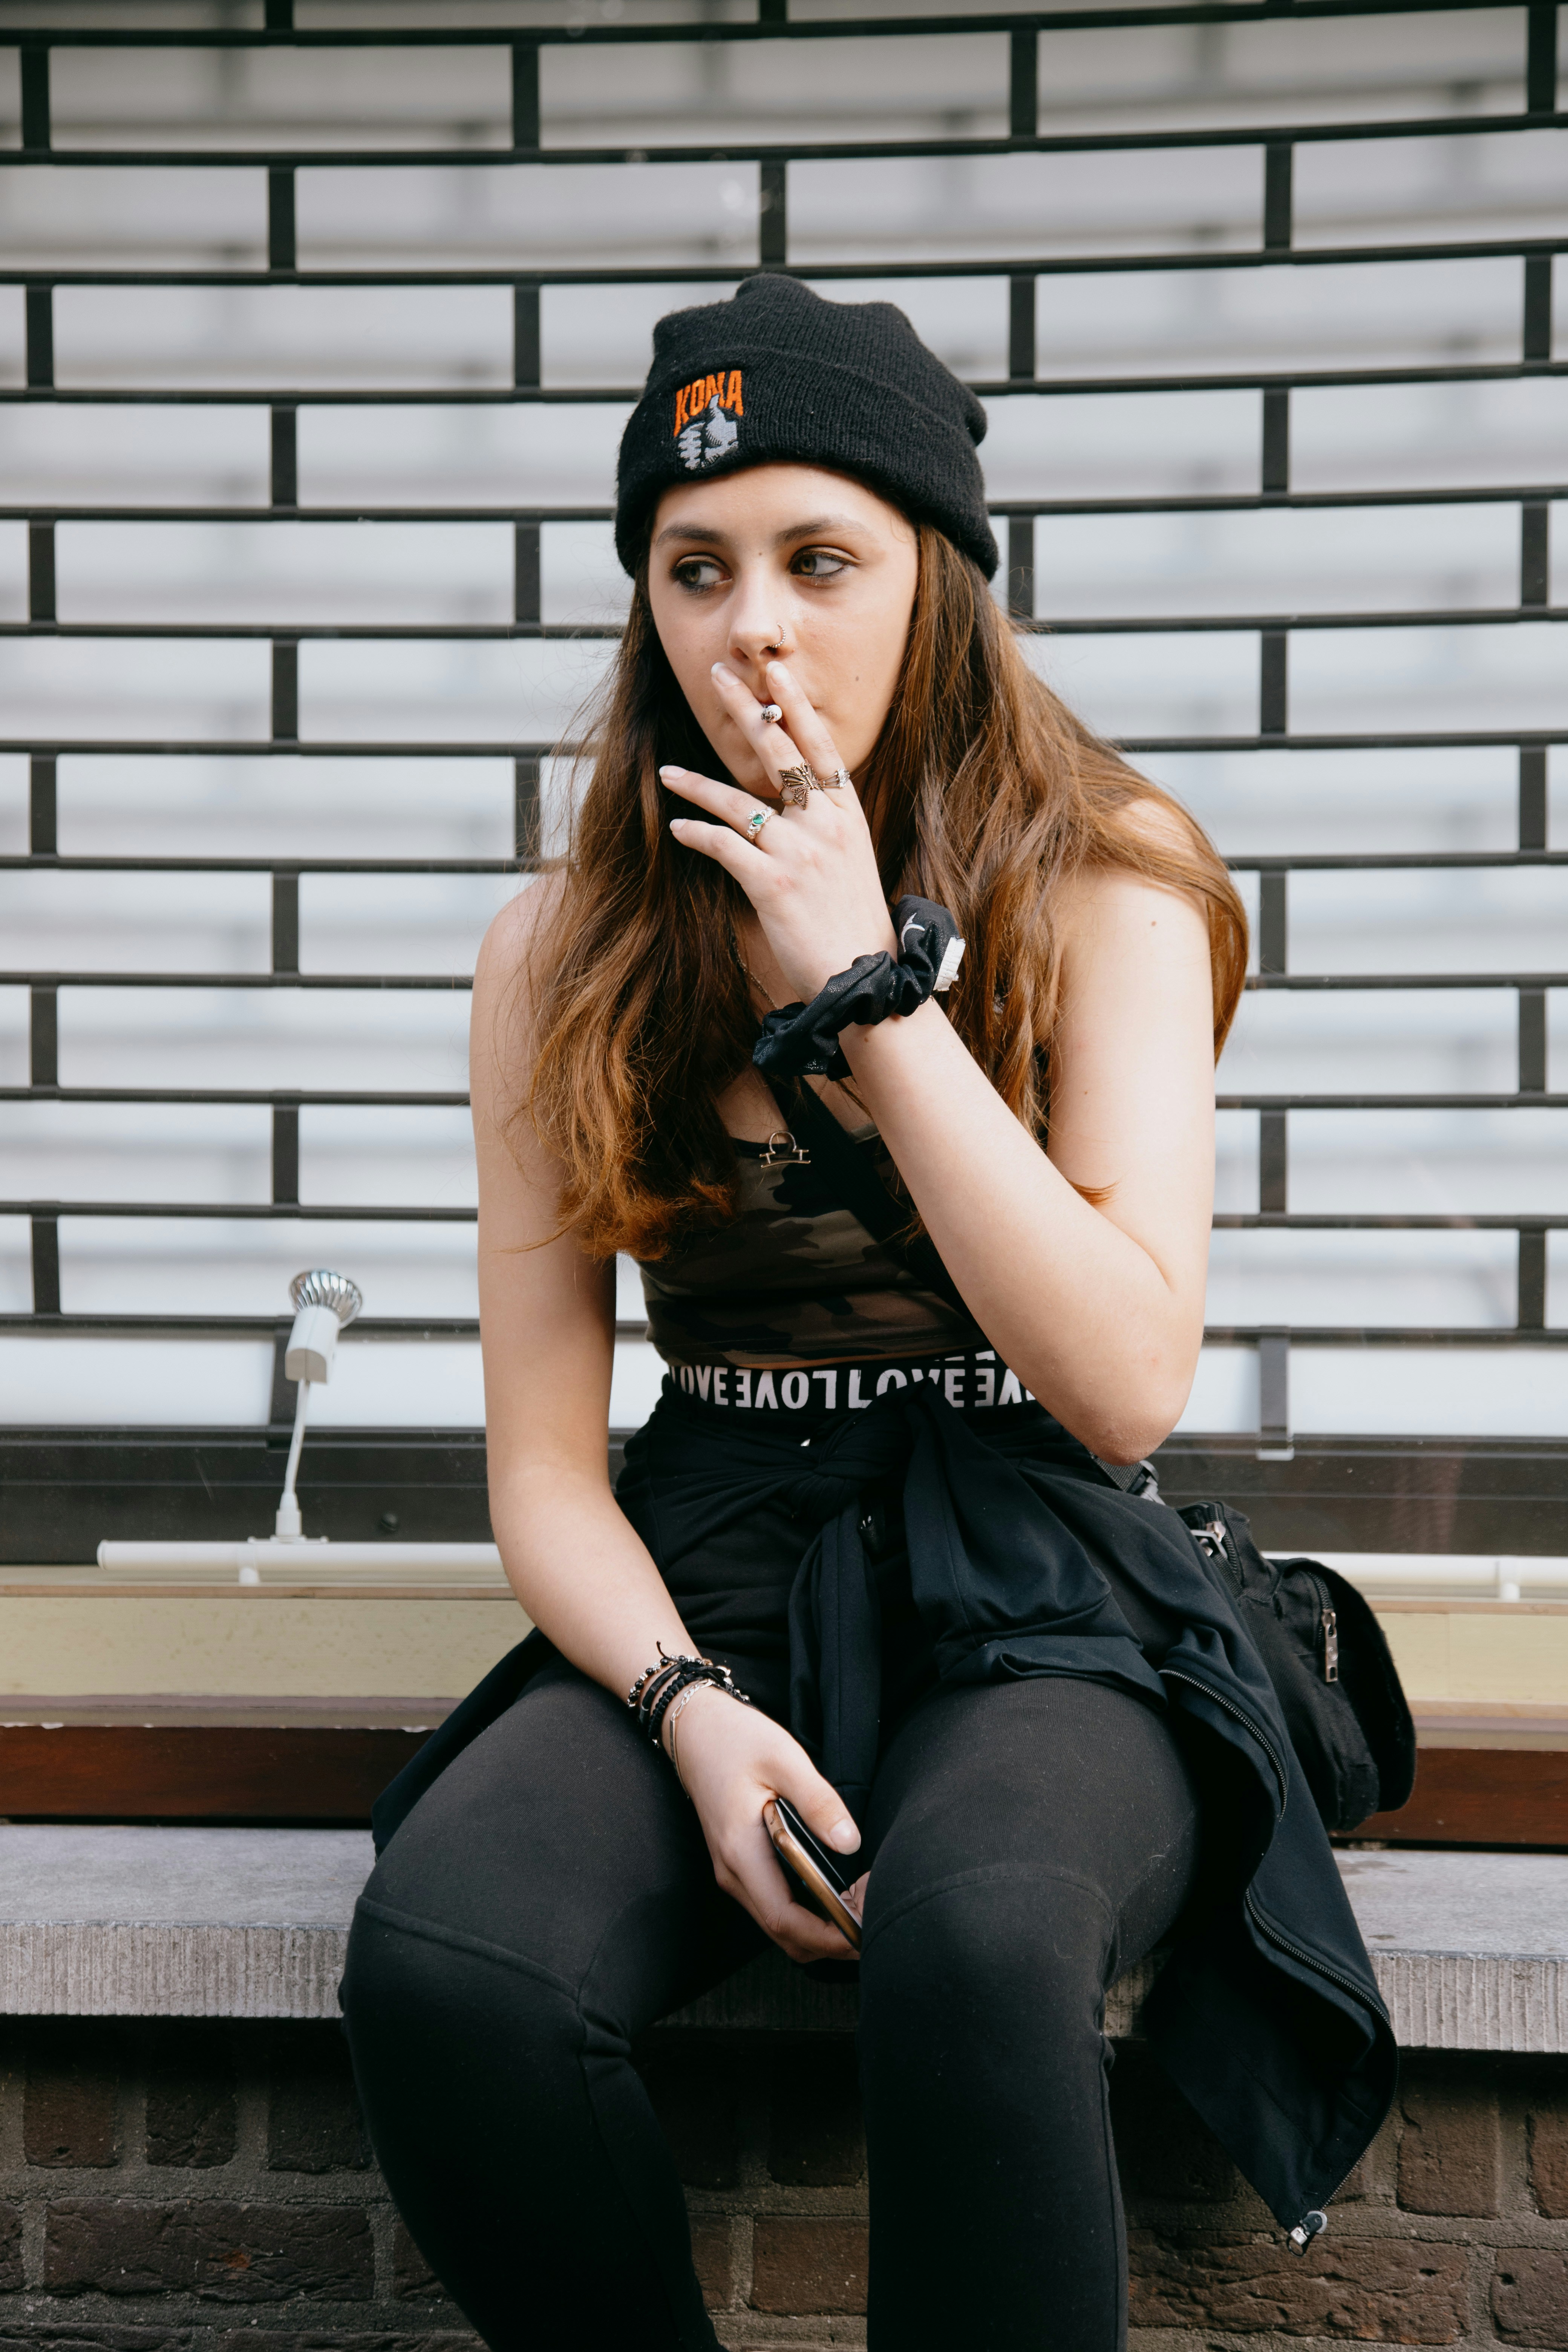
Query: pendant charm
(784, 1151)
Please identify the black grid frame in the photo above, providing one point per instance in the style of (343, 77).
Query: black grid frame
(1273, 634)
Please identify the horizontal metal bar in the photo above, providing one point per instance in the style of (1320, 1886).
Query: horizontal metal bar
(307, 1211)
(1309, 981)
(1415, 1099)
(572, 632)
(1374, 861)
(1394, 861)
(229, 1327)
(604, 35)
(437, 395)
(459, 982)
(351, 632)
(257, 747)
(243, 1213)
(1353, 1335)
(1196, 502)
(268, 747)
(696, 273)
(1350, 1222)
(435, 1327)
(292, 1098)
(456, 982)
(286, 1097)
(52, 862)
(1162, 138)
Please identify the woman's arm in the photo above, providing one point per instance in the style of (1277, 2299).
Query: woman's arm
(547, 1327)
(1099, 1310)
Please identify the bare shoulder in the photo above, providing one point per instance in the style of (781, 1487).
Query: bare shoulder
(502, 1026)
(1104, 901)
(511, 935)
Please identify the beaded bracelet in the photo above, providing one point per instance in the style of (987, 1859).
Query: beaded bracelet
(651, 1694)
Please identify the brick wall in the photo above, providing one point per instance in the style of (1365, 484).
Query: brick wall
(207, 2188)
(198, 2188)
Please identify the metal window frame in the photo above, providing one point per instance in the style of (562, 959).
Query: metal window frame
(1275, 248)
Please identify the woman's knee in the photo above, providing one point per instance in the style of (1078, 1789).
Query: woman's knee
(1011, 1942)
(427, 2021)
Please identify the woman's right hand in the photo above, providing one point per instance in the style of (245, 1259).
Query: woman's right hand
(732, 1760)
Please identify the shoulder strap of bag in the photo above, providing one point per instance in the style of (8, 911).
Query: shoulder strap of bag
(849, 1172)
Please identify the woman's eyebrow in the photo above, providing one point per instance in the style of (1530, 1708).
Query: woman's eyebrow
(814, 528)
(706, 535)
(700, 533)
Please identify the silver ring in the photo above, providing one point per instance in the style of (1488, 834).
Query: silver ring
(771, 713)
(797, 785)
(836, 782)
(758, 818)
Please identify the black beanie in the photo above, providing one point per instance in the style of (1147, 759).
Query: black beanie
(778, 375)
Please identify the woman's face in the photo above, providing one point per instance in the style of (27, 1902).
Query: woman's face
(783, 563)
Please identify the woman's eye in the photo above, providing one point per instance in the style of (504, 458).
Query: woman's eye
(819, 563)
(698, 571)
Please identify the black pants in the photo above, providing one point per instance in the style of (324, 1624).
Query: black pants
(550, 1897)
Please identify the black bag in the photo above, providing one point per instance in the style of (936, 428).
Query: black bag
(1324, 1650)
(1337, 1685)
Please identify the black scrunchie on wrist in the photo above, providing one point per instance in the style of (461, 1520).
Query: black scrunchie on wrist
(801, 1041)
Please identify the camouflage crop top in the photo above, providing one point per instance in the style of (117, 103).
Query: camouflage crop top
(794, 1279)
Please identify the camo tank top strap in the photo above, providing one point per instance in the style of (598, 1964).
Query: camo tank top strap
(794, 1279)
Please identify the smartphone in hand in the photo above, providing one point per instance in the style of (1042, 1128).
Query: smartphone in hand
(821, 1877)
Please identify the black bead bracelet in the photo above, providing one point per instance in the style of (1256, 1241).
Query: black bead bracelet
(656, 1689)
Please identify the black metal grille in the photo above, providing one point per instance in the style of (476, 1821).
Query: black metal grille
(1273, 634)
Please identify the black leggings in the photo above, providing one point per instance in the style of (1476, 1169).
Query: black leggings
(552, 1896)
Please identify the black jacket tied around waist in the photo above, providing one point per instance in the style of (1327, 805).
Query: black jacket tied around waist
(1266, 2014)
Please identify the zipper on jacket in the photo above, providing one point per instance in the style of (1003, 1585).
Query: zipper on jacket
(1311, 2225)
(1176, 1675)
(1308, 1959)
(1331, 1646)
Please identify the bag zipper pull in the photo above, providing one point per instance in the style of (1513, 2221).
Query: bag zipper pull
(1311, 2225)
(1210, 1536)
(1331, 1646)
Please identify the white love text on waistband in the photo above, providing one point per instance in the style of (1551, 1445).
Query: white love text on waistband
(967, 1380)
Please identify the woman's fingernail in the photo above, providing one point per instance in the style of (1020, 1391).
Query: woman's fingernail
(777, 669)
(844, 1837)
(718, 670)
(672, 771)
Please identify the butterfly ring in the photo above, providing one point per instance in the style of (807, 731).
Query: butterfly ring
(797, 785)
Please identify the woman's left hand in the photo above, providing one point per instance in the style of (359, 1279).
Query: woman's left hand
(811, 873)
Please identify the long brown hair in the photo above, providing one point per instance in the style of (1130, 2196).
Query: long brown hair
(984, 792)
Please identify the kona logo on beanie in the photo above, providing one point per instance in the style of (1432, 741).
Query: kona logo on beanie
(705, 410)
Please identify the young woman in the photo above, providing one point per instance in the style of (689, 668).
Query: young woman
(925, 1289)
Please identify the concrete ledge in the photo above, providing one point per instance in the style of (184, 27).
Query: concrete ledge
(174, 1922)
(1471, 1949)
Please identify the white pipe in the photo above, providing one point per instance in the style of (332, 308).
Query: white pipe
(1500, 1576)
(288, 1527)
(306, 1560)
(309, 1558)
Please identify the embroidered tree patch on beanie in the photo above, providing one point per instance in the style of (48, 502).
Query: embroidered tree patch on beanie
(779, 375)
